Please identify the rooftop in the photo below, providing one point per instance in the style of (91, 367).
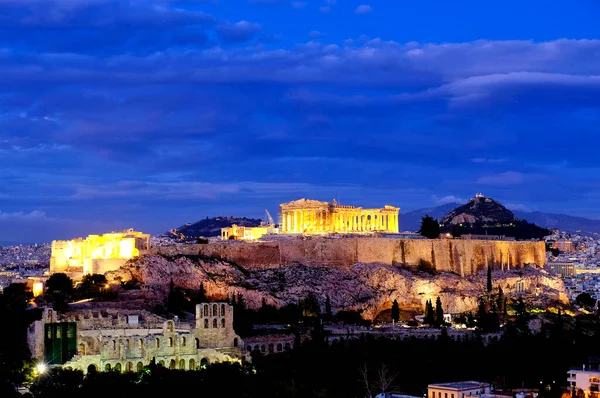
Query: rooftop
(460, 385)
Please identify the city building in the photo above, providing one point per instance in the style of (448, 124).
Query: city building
(564, 246)
(458, 389)
(127, 341)
(97, 254)
(564, 269)
(587, 380)
(306, 216)
(247, 233)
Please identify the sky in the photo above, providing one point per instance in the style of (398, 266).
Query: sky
(149, 114)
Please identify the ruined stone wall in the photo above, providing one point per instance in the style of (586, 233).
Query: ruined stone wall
(464, 257)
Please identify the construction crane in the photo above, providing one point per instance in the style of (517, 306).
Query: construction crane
(270, 220)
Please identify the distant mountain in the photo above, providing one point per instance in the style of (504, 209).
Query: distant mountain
(561, 221)
(211, 226)
(411, 221)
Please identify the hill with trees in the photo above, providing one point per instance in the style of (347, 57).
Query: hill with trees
(485, 216)
(210, 227)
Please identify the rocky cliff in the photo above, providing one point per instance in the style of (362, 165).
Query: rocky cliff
(463, 257)
(368, 287)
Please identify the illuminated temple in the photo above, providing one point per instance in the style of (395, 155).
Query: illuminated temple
(306, 216)
(97, 254)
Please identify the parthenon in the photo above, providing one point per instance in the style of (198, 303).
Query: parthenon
(306, 216)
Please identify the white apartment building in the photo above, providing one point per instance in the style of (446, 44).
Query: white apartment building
(584, 379)
(458, 389)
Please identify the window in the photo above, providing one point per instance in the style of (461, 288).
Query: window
(171, 344)
(58, 333)
(279, 347)
(223, 322)
(271, 349)
(197, 343)
(222, 309)
(157, 343)
(114, 343)
(205, 323)
(235, 342)
(141, 343)
(205, 309)
(215, 310)
(128, 344)
(445, 395)
(183, 344)
(215, 323)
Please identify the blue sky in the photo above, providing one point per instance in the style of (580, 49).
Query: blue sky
(153, 113)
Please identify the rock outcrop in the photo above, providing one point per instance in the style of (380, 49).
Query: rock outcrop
(368, 287)
(463, 257)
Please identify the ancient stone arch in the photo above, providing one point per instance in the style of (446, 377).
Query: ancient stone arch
(139, 367)
(204, 363)
(192, 364)
(182, 364)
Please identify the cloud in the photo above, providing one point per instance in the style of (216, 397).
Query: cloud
(153, 112)
(447, 199)
(509, 178)
(238, 32)
(315, 34)
(363, 9)
(489, 160)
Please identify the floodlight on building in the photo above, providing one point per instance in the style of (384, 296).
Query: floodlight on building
(41, 368)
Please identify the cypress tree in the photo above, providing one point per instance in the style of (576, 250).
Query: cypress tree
(439, 312)
(500, 302)
(395, 311)
(328, 313)
(489, 279)
(429, 316)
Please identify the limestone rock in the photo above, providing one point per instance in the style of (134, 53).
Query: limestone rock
(367, 287)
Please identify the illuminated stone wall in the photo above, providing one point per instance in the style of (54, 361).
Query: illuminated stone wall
(111, 341)
(464, 257)
(97, 254)
(306, 216)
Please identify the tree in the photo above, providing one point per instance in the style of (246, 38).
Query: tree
(59, 288)
(585, 300)
(439, 312)
(309, 306)
(92, 285)
(395, 311)
(328, 313)
(430, 228)
(500, 302)
(489, 279)
(429, 318)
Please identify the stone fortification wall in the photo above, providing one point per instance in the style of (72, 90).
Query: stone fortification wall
(464, 257)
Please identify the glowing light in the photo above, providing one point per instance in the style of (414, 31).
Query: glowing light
(38, 288)
(41, 368)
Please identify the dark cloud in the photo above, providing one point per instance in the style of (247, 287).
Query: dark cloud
(154, 113)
